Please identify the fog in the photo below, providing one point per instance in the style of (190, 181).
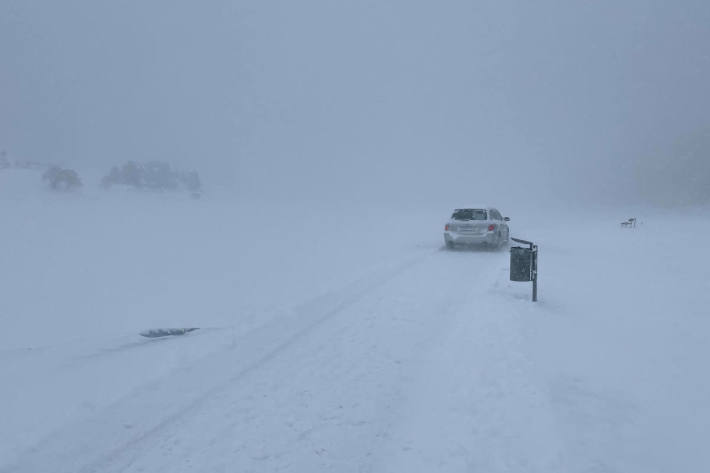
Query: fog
(402, 100)
(284, 225)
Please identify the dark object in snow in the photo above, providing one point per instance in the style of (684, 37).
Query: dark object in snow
(155, 175)
(61, 179)
(166, 332)
(523, 264)
(630, 223)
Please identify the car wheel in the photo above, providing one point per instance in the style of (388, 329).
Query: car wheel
(501, 241)
(493, 245)
(449, 244)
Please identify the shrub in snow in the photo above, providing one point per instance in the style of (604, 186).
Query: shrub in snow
(7, 163)
(61, 179)
(154, 175)
(129, 174)
(191, 180)
(113, 177)
(159, 176)
(132, 174)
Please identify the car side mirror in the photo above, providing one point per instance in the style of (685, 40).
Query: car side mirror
(507, 219)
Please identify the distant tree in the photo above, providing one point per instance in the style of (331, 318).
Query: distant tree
(61, 179)
(155, 175)
(158, 175)
(679, 173)
(112, 178)
(191, 181)
(132, 174)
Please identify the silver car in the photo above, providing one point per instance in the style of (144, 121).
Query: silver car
(477, 226)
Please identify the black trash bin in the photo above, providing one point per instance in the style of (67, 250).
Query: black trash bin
(521, 264)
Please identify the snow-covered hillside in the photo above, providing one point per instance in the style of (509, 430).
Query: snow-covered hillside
(341, 337)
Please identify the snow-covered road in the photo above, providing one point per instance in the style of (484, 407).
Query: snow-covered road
(412, 367)
(333, 342)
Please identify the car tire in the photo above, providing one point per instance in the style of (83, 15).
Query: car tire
(449, 245)
(500, 243)
(495, 244)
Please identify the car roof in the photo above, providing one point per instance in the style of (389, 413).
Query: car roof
(475, 207)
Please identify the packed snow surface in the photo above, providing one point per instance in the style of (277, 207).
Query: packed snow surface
(343, 337)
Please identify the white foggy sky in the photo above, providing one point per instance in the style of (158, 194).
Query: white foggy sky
(328, 98)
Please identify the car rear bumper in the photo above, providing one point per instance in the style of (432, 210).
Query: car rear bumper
(469, 238)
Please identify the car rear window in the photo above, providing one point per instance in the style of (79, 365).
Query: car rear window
(469, 214)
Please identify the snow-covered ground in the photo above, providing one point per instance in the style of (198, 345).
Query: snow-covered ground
(342, 337)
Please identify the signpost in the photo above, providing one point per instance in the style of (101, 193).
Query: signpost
(523, 264)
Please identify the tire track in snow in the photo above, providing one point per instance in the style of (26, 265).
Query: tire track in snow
(339, 400)
(477, 406)
(106, 439)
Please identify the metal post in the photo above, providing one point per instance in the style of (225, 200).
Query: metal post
(534, 273)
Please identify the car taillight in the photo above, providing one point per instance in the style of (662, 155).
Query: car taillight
(491, 228)
(446, 227)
